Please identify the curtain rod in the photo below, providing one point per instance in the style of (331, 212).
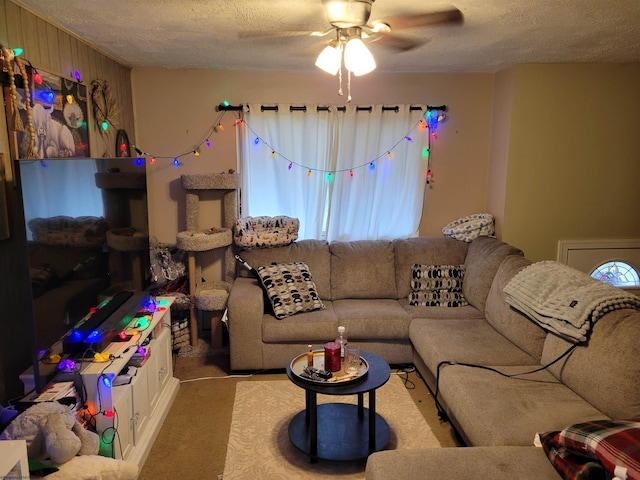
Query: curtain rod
(303, 108)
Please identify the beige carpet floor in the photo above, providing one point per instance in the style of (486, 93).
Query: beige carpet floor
(192, 443)
(259, 445)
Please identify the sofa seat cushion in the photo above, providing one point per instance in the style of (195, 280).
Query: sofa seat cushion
(376, 319)
(470, 463)
(318, 326)
(418, 311)
(511, 323)
(528, 404)
(463, 340)
(362, 269)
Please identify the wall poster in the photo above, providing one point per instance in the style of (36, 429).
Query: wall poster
(58, 114)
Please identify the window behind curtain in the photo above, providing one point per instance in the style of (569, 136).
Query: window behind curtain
(332, 169)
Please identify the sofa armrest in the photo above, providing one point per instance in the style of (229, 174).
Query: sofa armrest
(245, 309)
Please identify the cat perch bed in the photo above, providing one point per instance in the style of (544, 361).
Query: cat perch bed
(209, 296)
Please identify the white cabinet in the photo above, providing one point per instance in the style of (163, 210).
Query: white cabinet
(117, 442)
(128, 417)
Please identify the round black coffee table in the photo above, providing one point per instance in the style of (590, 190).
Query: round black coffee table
(347, 432)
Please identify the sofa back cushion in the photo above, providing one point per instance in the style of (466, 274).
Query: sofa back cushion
(605, 371)
(424, 251)
(484, 256)
(315, 253)
(362, 269)
(517, 327)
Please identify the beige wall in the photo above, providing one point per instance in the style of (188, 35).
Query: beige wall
(574, 157)
(175, 108)
(499, 159)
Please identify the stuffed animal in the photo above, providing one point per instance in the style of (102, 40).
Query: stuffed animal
(52, 432)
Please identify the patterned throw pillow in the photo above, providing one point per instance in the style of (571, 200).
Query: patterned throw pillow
(437, 277)
(614, 443)
(290, 288)
(437, 286)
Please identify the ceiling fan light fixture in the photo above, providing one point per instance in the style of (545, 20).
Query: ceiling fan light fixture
(329, 59)
(357, 57)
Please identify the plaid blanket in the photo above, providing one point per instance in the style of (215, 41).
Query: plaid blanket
(564, 300)
(600, 449)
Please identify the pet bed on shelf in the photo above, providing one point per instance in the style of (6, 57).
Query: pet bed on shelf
(263, 231)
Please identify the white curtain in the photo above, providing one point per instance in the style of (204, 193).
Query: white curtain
(383, 198)
(275, 141)
(347, 174)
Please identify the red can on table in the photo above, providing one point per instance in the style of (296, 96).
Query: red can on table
(331, 357)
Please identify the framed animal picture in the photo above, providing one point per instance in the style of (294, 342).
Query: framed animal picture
(53, 117)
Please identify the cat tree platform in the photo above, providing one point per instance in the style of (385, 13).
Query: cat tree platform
(206, 296)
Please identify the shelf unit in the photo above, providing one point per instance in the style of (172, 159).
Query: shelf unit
(128, 417)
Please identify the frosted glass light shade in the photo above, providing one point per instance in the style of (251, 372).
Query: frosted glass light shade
(329, 59)
(358, 58)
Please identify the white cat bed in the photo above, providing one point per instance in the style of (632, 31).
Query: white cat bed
(262, 232)
(470, 227)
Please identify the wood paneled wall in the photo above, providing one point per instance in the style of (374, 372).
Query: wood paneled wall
(57, 51)
(50, 48)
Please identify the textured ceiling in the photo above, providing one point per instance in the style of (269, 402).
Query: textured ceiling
(204, 33)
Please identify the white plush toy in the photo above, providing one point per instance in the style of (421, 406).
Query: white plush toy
(52, 432)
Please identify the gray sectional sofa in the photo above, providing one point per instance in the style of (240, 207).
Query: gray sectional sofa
(365, 286)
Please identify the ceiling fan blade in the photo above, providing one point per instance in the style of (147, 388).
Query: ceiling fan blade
(399, 22)
(283, 33)
(398, 43)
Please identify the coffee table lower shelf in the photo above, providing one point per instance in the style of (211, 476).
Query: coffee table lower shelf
(343, 435)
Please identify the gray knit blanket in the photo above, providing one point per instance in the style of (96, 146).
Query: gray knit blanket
(564, 300)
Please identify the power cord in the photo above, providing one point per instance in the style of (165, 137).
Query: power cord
(224, 376)
(404, 371)
(443, 415)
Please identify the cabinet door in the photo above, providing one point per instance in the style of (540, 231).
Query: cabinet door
(117, 442)
(165, 358)
(141, 407)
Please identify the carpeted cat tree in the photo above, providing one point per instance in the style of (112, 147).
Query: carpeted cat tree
(209, 296)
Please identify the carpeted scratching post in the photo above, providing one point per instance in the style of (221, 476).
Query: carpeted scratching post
(209, 296)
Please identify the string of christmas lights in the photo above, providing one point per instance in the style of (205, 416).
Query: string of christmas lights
(429, 120)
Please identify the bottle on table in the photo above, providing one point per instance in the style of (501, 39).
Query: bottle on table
(341, 340)
(310, 356)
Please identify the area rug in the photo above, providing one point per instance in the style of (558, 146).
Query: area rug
(259, 445)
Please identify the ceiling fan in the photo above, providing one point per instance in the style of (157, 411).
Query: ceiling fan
(350, 23)
(349, 18)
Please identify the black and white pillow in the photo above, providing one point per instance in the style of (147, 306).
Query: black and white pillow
(290, 288)
(437, 285)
